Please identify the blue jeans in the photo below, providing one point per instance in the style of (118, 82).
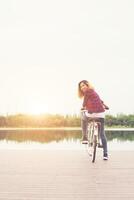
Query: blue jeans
(84, 126)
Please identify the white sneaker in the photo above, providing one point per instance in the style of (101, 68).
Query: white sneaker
(105, 157)
(84, 141)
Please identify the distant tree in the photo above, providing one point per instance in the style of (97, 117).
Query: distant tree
(49, 120)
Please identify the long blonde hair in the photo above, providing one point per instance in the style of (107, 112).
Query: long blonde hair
(80, 93)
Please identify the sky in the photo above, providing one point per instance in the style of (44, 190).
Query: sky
(47, 47)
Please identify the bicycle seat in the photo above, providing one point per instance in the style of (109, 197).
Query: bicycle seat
(95, 119)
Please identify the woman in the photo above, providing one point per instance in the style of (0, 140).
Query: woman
(95, 109)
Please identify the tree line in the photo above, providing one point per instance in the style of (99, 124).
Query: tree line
(56, 120)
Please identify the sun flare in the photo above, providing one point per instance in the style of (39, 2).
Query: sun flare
(37, 109)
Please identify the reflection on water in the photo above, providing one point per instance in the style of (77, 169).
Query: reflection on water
(120, 135)
(60, 139)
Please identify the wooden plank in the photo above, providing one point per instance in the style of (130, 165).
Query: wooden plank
(65, 175)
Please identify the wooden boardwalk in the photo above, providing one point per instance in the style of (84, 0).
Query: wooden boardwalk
(65, 175)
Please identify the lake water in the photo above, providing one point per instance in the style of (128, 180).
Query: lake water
(60, 139)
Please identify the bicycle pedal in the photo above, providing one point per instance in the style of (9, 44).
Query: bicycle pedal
(90, 154)
(90, 144)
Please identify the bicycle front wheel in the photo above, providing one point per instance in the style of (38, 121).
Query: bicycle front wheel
(94, 148)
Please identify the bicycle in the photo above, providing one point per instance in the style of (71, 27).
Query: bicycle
(93, 137)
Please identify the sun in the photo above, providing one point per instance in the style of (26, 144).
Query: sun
(45, 106)
(36, 108)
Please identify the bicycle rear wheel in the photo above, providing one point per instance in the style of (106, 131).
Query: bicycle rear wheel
(94, 148)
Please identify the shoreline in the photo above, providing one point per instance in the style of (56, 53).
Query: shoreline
(59, 128)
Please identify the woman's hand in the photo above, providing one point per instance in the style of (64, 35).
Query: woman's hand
(105, 107)
(83, 108)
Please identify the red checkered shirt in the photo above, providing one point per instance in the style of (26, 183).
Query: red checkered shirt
(92, 102)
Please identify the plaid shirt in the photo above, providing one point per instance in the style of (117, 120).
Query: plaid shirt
(92, 102)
